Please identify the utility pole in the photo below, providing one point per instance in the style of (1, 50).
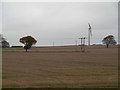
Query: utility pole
(82, 43)
(80, 39)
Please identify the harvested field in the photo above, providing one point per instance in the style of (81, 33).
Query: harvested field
(67, 67)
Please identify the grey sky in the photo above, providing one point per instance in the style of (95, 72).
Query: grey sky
(60, 22)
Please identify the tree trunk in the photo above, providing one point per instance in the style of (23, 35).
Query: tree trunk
(107, 45)
(26, 50)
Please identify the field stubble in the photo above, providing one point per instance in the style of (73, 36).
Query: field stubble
(59, 67)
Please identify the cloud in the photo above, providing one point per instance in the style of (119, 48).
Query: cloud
(58, 20)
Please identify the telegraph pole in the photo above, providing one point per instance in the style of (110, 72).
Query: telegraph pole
(80, 39)
(82, 43)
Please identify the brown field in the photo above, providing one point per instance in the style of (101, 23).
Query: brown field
(60, 67)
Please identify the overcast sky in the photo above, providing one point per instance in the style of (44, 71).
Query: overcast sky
(59, 22)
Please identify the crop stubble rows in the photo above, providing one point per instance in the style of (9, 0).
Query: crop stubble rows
(60, 67)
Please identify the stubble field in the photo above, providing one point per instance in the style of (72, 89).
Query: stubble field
(60, 67)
